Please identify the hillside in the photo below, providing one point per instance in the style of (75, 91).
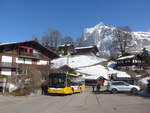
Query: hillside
(77, 61)
(90, 66)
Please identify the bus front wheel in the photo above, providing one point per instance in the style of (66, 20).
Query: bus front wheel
(72, 91)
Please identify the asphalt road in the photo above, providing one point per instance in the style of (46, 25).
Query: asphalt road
(86, 102)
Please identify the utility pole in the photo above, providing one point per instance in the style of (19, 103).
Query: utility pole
(68, 60)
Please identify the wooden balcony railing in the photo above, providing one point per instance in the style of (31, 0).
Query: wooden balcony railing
(29, 55)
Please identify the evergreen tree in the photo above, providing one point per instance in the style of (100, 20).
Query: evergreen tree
(146, 56)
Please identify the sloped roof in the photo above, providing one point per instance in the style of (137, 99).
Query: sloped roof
(64, 45)
(87, 47)
(32, 43)
(126, 57)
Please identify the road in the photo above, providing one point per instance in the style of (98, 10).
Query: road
(86, 102)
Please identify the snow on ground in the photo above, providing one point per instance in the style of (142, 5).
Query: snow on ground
(119, 73)
(94, 72)
(77, 61)
(110, 66)
(138, 76)
(11, 87)
(143, 81)
(89, 66)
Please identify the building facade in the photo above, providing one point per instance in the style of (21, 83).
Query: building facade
(88, 50)
(130, 62)
(21, 57)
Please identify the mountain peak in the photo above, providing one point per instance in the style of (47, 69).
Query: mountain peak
(100, 24)
(103, 37)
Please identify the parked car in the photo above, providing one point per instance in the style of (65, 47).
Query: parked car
(120, 86)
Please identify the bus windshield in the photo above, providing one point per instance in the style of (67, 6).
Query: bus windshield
(57, 81)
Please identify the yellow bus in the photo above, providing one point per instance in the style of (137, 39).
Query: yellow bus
(65, 83)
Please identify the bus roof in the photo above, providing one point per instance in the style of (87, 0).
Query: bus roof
(64, 74)
(72, 74)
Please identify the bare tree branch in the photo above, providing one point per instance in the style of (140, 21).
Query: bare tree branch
(123, 39)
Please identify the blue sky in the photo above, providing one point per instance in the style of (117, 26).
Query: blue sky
(22, 19)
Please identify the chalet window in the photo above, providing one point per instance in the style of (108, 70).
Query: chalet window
(34, 61)
(139, 61)
(14, 59)
(20, 60)
(24, 49)
(34, 51)
(22, 72)
(13, 71)
(135, 61)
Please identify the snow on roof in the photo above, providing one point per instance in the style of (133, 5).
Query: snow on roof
(65, 45)
(8, 43)
(32, 43)
(77, 61)
(126, 57)
(84, 47)
(91, 77)
(94, 72)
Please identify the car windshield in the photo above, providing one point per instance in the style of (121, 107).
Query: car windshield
(120, 83)
(126, 83)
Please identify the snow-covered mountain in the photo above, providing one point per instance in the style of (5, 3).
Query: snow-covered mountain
(103, 37)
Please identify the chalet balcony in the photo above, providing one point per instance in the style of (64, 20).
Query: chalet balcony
(8, 65)
(29, 55)
(129, 64)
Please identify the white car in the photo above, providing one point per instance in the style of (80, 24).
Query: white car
(120, 86)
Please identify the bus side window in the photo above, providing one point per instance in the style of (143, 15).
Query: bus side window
(68, 82)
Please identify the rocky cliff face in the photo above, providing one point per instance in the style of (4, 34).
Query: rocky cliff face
(103, 37)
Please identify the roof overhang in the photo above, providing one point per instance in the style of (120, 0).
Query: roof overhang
(34, 44)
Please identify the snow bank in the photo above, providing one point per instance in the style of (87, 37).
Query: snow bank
(118, 73)
(94, 72)
(77, 61)
(89, 66)
(110, 67)
(143, 81)
(144, 93)
(11, 87)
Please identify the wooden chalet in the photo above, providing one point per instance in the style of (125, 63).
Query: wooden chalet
(89, 50)
(20, 58)
(66, 49)
(62, 50)
(130, 62)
